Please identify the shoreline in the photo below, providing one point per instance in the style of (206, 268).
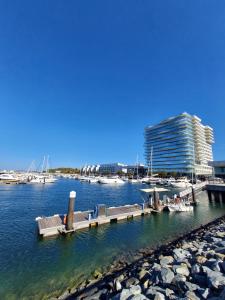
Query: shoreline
(113, 282)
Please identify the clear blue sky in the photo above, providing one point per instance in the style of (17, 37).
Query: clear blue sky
(79, 80)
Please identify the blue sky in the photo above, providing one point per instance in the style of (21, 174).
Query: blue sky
(79, 80)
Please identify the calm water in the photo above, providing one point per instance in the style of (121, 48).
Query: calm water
(31, 268)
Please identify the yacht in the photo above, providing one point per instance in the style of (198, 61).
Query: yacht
(8, 177)
(181, 183)
(180, 207)
(110, 180)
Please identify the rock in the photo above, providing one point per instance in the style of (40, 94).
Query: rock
(97, 274)
(220, 256)
(146, 284)
(159, 296)
(97, 296)
(131, 281)
(200, 259)
(156, 267)
(179, 278)
(143, 274)
(181, 269)
(204, 293)
(195, 269)
(135, 289)
(138, 297)
(166, 260)
(180, 254)
(191, 296)
(222, 264)
(145, 265)
(215, 278)
(220, 234)
(117, 285)
(124, 295)
(153, 290)
(166, 275)
(220, 250)
(169, 292)
(214, 264)
(191, 286)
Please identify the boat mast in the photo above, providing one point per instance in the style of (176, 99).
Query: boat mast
(43, 164)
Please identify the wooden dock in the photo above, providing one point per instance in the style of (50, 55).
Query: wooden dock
(49, 226)
(73, 221)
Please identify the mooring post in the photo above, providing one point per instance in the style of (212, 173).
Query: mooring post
(156, 200)
(193, 195)
(70, 215)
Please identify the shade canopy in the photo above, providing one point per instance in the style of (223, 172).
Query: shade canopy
(156, 189)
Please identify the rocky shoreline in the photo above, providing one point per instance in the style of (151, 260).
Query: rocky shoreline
(190, 267)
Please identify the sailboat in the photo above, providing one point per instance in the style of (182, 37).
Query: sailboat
(44, 176)
(137, 180)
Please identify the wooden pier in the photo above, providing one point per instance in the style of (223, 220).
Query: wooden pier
(73, 221)
(49, 226)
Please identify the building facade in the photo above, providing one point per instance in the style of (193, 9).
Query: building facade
(180, 144)
(218, 168)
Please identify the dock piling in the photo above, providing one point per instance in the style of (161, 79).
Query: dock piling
(70, 215)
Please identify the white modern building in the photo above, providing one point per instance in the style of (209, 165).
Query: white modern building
(180, 144)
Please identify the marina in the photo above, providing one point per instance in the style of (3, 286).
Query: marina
(58, 224)
(33, 267)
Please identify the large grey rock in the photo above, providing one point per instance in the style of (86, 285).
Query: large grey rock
(181, 269)
(214, 264)
(135, 289)
(220, 250)
(131, 281)
(124, 295)
(179, 278)
(215, 279)
(180, 254)
(166, 275)
(191, 286)
(159, 296)
(191, 296)
(166, 260)
(138, 297)
(153, 290)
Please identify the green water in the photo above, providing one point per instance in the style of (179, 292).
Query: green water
(31, 268)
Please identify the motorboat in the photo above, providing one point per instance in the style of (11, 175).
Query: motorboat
(181, 207)
(110, 180)
(181, 183)
(135, 180)
(93, 180)
(8, 177)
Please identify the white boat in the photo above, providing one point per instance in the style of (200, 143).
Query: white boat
(93, 179)
(181, 183)
(43, 179)
(8, 177)
(108, 180)
(135, 180)
(179, 207)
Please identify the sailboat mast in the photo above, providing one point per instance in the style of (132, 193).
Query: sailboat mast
(42, 167)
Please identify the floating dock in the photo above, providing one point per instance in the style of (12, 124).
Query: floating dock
(76, 220)
(49, 226)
